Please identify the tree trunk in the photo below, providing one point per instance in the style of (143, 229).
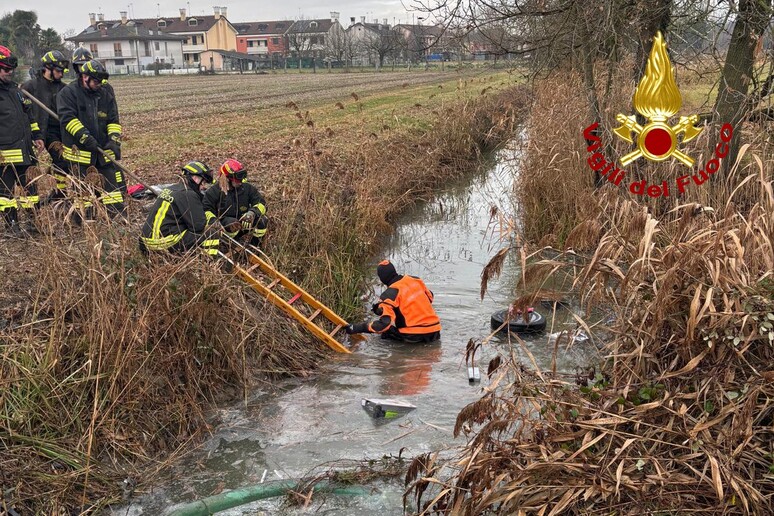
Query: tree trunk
(652, 16)
(731, 105)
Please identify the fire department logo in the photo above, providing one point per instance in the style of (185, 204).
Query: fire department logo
(657, 99)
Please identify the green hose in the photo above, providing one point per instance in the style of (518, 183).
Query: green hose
(245, 495)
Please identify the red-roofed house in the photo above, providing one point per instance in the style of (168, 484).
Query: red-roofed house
(266, 38)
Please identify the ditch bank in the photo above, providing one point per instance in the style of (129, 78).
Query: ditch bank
(109, 361)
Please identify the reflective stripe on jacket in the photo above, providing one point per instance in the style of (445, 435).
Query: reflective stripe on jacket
(177, 210)
(16, 126)
(83, 113)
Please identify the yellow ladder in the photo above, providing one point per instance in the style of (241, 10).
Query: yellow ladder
(316, 308)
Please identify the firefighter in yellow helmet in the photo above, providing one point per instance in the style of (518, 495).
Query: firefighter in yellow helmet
(45, 86)
(176, 223)
(88, 116)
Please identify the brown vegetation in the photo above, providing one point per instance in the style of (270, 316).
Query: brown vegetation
(679, 418)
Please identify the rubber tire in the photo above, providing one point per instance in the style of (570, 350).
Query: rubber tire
(536, 324)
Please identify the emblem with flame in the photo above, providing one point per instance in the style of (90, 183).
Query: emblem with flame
(657, 99)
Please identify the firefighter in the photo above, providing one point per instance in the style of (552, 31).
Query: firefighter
(176, 222)
(238, 206)
(18, 133)
(45, 86)
(88, 116)
(405, 309)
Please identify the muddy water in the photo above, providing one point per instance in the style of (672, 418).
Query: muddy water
(300, 424)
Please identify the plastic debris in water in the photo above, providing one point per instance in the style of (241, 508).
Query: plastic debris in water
(387, 409)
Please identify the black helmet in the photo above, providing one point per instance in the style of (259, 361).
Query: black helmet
(55, 59)
(197, 168)
(81, 56)
(95, 70)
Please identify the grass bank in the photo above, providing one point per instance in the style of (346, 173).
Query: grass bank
(110, 362)
(679, 416)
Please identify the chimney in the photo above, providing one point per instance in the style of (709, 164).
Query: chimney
(352, 20)
(182, 14)
(223, 11)
(362, 20)
(216, 9)
(123, 17)
(334, 16)
(384, 22)
(376, 21)
(92, 19)
(101, 17)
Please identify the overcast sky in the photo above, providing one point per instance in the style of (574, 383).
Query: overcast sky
(74, 14)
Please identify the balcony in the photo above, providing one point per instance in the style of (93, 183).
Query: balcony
(114, 55)
(194, 48)
(257, 50)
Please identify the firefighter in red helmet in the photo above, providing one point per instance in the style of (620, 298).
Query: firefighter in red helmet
(236, 204)
(18, 131)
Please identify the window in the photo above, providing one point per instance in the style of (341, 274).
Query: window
(193, 22)
(275, 41)
(156, 45)
(119, 62)
(250, 43)
(161, 23)
(147, 48)
(313, 25)
(93, 49)
(279, 26)
(117, 49)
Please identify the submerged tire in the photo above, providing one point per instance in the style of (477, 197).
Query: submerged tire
(537, 322)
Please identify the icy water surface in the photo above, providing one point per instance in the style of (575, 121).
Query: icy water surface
(286, 432)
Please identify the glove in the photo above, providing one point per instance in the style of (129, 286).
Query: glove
(376, 308)
(114, 146)
(89, 143)
(349, 329)
(247, 220)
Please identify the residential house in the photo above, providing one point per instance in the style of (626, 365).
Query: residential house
(199, 33)
(421, 40)
(371, 43)
(127, 47)
(315, 38)
(264, 39)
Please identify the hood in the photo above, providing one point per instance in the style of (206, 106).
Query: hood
(387, 273)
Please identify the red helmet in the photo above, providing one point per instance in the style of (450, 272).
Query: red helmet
(233, 169)
(7, 59)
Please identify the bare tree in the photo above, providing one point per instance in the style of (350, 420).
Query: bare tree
(382, 41)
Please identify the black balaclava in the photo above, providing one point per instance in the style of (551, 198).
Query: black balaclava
(386, 272)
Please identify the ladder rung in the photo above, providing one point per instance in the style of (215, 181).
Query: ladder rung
(294, 298)
(337, 328)
(273, 284)
(315, 314)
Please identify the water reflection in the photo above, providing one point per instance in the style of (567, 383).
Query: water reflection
(407, 371)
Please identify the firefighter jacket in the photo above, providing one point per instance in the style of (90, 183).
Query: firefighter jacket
(45, 91)
(178, 214)
(228, 207)
(17, 126)
(84, 113)
(406, 305)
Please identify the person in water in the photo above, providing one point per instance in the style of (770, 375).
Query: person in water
(405, 309)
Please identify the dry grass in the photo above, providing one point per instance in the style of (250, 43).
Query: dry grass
(680, 416)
